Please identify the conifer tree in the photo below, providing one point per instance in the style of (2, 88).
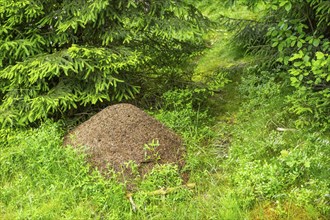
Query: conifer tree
(58, 55)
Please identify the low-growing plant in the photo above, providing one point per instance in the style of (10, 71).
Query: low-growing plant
(150, 151)
(162, 177)
(41, 179)
(269, 164)
(133, 167)
(186, 112)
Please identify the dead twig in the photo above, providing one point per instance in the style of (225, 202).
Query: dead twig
(162, 191)
(285, 129)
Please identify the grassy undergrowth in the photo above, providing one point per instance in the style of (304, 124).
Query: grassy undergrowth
(40, 179)
(276, 171)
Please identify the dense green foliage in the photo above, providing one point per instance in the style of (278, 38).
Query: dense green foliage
(272, 165)
(62, 55)
(292, 40)
(254, 120)
(279, 174)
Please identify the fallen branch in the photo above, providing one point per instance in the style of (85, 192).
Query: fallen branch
(162, 191)
(130, 198)
(285, 129)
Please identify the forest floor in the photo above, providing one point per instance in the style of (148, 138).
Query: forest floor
(240, 164)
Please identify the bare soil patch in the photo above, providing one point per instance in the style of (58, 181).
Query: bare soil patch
(118, 134)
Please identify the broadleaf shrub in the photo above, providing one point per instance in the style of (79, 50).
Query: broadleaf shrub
(295, 47)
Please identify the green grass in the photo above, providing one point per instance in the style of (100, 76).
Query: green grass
(242, 166)
(40, 179)
(215, 10)
(271, 166)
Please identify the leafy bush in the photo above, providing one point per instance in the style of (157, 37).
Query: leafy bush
(303, 54)
(293, 42)
(310, 75)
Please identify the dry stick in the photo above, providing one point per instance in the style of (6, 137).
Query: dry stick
(162, 191)
(132, 202)
(285, 129)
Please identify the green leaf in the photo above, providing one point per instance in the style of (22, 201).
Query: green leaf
(328, 78)
(319, 55)
(316, 42)
(298, 64)
(294, 80)
(288, 6)
(295, 72)
(275, 43)
(299, 44)
(307, 164)
(296, 56)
